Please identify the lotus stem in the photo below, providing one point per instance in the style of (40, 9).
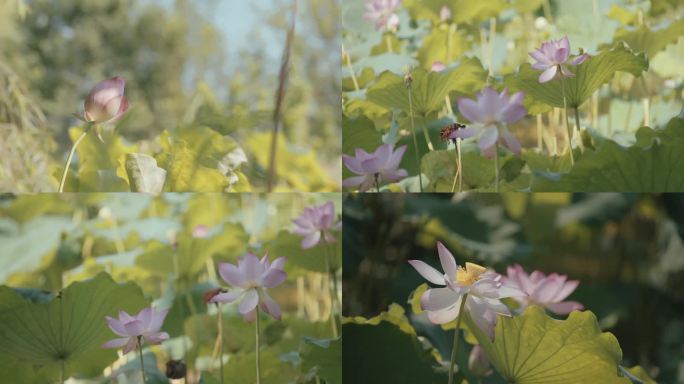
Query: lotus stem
(567, 124)
(540, 133)
(351, 69)
(415, 139)
(579, 129)
(333, 320)
(280, 97)
(377, 182)
(490, 45)
(647, 111)
(258, 354)
(71, 155)
(496, 167)
(142, 364)
(456, 339)
(459, 169)
(427, 136)
(388, 41)
(220, 336)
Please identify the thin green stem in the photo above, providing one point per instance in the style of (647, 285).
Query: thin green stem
(283, 77)
(567, 123)
(220, 336)
(454, 350)
(61, 334)
(258, 353)
(427, 135)
(577, 122)
(459, 169)
(333, 320)
(388, 41)
(415, 140)
(142, 364)
(377, 182)
(71, 156)
(496, 167)
(351, 69)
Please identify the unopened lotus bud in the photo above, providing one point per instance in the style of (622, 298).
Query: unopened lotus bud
(106, 101)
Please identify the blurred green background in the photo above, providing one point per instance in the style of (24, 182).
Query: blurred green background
(187, 63)
(626, 250)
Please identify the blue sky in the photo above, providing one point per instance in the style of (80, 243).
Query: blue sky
(236, 19)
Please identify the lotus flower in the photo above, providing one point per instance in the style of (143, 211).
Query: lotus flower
(316, 225)
(200, 231)
(143, 326)
(492, 111)
(483, 287)
(438, 66)
(444, 13)
(552, 58)
(544, 291)
(251, 278)
(382, 163)
(382, 13)
(106, 102)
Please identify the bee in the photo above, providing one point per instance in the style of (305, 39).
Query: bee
(446, 131)
(175, 369)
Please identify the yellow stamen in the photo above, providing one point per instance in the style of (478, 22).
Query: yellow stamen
(470, 274)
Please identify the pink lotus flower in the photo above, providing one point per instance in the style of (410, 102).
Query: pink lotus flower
(545, 291)
(444, 13)
(200, 231)
(438, 66)
(483, 287)
(251, 278)
(106, 102)
(316, 224)
(143, 326)
(492, 111)
(382, 13)
(382, 163)
(552, 58)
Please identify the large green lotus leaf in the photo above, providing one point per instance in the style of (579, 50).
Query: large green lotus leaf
(69, 328)
(535, 348)
(144, 174)
(644, 39)
(428, 89)
(462, 11)
(192, 253)
(21, 253)
(386, 349)
(25, 207)
(324, 357)
(240, 369)
(612, 168)
(185, 174)
(209, 209)
(100, 163)
(301, 261)
(442, 41)
(360, 133)
(589, 76)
